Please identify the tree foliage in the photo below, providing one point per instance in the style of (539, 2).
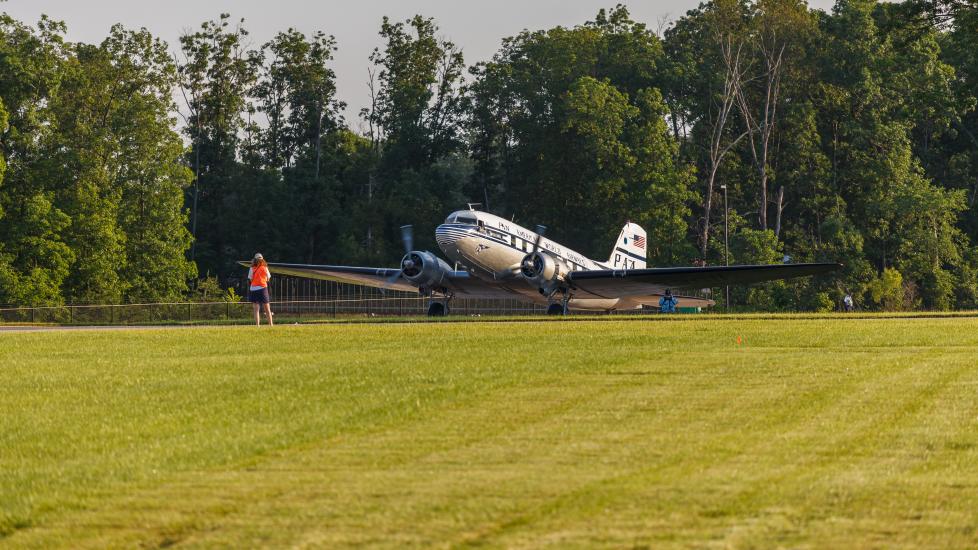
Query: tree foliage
(569, 125)
(92, 205)
(849, 135)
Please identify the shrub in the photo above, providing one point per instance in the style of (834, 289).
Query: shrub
(887, 290)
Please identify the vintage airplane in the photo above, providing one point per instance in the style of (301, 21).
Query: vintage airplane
(495, 258)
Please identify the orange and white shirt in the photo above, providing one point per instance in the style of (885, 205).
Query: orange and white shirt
(259, 277)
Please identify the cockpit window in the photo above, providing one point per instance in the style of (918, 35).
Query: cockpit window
(466, 219)
(450, 219)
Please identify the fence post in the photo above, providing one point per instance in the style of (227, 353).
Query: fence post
(190, 312)
(71, 315)
(33, 315)
(111, 315)
(227, 311)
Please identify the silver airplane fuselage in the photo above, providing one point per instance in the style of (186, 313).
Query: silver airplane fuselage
(492, 248)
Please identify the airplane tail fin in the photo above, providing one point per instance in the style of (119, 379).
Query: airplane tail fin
(630, 248)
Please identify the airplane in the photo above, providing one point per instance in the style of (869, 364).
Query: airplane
(496, 258)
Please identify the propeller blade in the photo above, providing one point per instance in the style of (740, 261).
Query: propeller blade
(527, 265)
(392, 279)
(541, 230)
(407, 237)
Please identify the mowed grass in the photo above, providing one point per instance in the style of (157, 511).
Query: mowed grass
(827, 432)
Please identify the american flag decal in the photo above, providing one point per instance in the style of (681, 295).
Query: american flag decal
(639, 241)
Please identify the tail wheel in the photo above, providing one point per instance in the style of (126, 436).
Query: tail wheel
(437, 309)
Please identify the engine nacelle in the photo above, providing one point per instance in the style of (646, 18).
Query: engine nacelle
(424, 269)
(544, 271)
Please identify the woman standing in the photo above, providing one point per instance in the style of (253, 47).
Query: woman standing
(258, 277)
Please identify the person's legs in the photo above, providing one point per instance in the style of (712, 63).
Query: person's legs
(257, 308)
(268, 313)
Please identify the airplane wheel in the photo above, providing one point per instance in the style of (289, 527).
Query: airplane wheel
(437, 309)
(555, 309)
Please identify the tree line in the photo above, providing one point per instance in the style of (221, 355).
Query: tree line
(130, 169)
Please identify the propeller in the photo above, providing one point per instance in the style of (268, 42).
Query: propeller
(408, 263)
(530, 261)
(407, 237)
(541, 230)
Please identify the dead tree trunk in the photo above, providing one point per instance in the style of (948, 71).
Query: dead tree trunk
(763, 124)
(780, 209)
(732, 56)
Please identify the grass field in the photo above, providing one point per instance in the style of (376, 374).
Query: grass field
(825, 432)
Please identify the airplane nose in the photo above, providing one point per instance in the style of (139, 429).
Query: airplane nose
(448, 234)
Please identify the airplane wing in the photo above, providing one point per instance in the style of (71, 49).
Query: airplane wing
(367, 276)
(459, 282)
(612, 283)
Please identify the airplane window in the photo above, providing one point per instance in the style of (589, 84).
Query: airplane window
(462, 219)
(450, 219)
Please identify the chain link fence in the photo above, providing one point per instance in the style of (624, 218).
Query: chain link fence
(293, 300)
(242, 312)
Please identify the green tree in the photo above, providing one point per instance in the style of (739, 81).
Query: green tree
(81, 156)
(301, 141)
(871, 118)
(415, 124)
(780, 32)
(34, 258)
(708, 62)
(148, 170)
(888, 290)
(117, 162)
(216, 75)
(569, 124)
(3, 129)
(297, 94)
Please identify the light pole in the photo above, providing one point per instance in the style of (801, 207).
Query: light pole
(726, 241)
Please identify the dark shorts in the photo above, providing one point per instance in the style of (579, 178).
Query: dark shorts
(258, 296)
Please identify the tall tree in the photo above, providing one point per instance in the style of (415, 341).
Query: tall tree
(81, 154)
(710, 49)
(874, 168)
(417, 116)
(297, 94)
(569, 124)
(3, 130)
(779, 30)
(216, 75)
(148, 169)
(34, 258)
(117, 162)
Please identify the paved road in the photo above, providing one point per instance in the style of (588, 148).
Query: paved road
(4, 329)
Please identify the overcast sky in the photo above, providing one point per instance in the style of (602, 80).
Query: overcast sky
(476, 26)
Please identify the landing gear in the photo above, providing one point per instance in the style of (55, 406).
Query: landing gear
(559, 308)
(437, 309)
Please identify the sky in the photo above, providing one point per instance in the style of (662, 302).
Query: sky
(477, 26)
